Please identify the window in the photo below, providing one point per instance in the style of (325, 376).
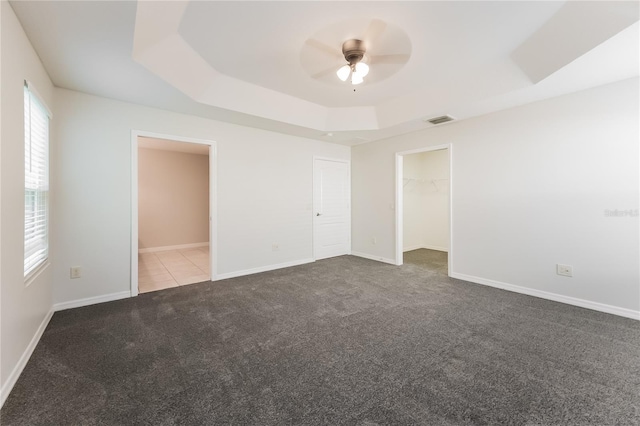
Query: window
(36, 181)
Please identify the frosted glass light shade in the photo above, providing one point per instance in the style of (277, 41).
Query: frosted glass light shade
(356, 78)
(362, 69)
(343, 72)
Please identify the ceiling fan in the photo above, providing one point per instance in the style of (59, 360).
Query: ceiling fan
(353, 51)
(362, 53)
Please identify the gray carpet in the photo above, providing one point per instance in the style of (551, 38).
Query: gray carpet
(340, 341)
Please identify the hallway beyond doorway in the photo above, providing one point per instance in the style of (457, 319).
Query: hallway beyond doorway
(172, 268)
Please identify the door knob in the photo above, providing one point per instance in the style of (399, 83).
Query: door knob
(318, 214)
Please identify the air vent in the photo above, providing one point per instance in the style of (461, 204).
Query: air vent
(440, 120)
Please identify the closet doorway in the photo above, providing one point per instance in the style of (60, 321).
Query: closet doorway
(173, 232)
(423, 202)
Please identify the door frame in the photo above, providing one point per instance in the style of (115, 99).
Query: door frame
(399, 207)
(313, 199)
(213, 214)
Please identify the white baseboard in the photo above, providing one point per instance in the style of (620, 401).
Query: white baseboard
(601, 307)
(244, 272)
(22, 362)
(91, 300)
(423, 246)
(178, 247)
(372, 257)
(437, 248)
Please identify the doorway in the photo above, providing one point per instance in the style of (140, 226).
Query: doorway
(173, 199)
(423, 203)
(331, 208)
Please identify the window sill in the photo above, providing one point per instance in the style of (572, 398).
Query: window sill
(33, 275)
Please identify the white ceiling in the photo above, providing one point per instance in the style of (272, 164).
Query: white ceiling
(268, 64)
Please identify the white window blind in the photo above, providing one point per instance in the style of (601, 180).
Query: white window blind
(36, 181)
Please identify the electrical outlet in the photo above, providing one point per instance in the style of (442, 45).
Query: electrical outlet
(374, 241)
(564, 270)
(275, 247)
(75, 272)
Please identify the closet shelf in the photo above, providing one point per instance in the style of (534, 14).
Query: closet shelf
(434, 182)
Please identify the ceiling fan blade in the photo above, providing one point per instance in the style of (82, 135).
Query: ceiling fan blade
(324, 48)
(376, 27)
(325, 73)
(389, 59)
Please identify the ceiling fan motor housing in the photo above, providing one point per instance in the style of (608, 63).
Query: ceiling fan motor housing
(353, 51)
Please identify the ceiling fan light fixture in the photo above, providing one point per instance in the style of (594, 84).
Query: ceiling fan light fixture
(362, 69)
(343, 72)
(353, 51)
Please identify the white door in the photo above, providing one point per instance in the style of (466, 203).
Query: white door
(331, 208)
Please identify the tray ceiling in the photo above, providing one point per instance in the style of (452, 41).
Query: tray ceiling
(259, 63)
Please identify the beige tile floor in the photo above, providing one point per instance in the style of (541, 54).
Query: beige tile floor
(172, 268)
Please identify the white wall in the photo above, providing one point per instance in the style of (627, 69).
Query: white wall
(426, 200)
(435, 229)
(25, 309)
(264, 186)
(173, 198)
(530, 188)
(413, 201)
